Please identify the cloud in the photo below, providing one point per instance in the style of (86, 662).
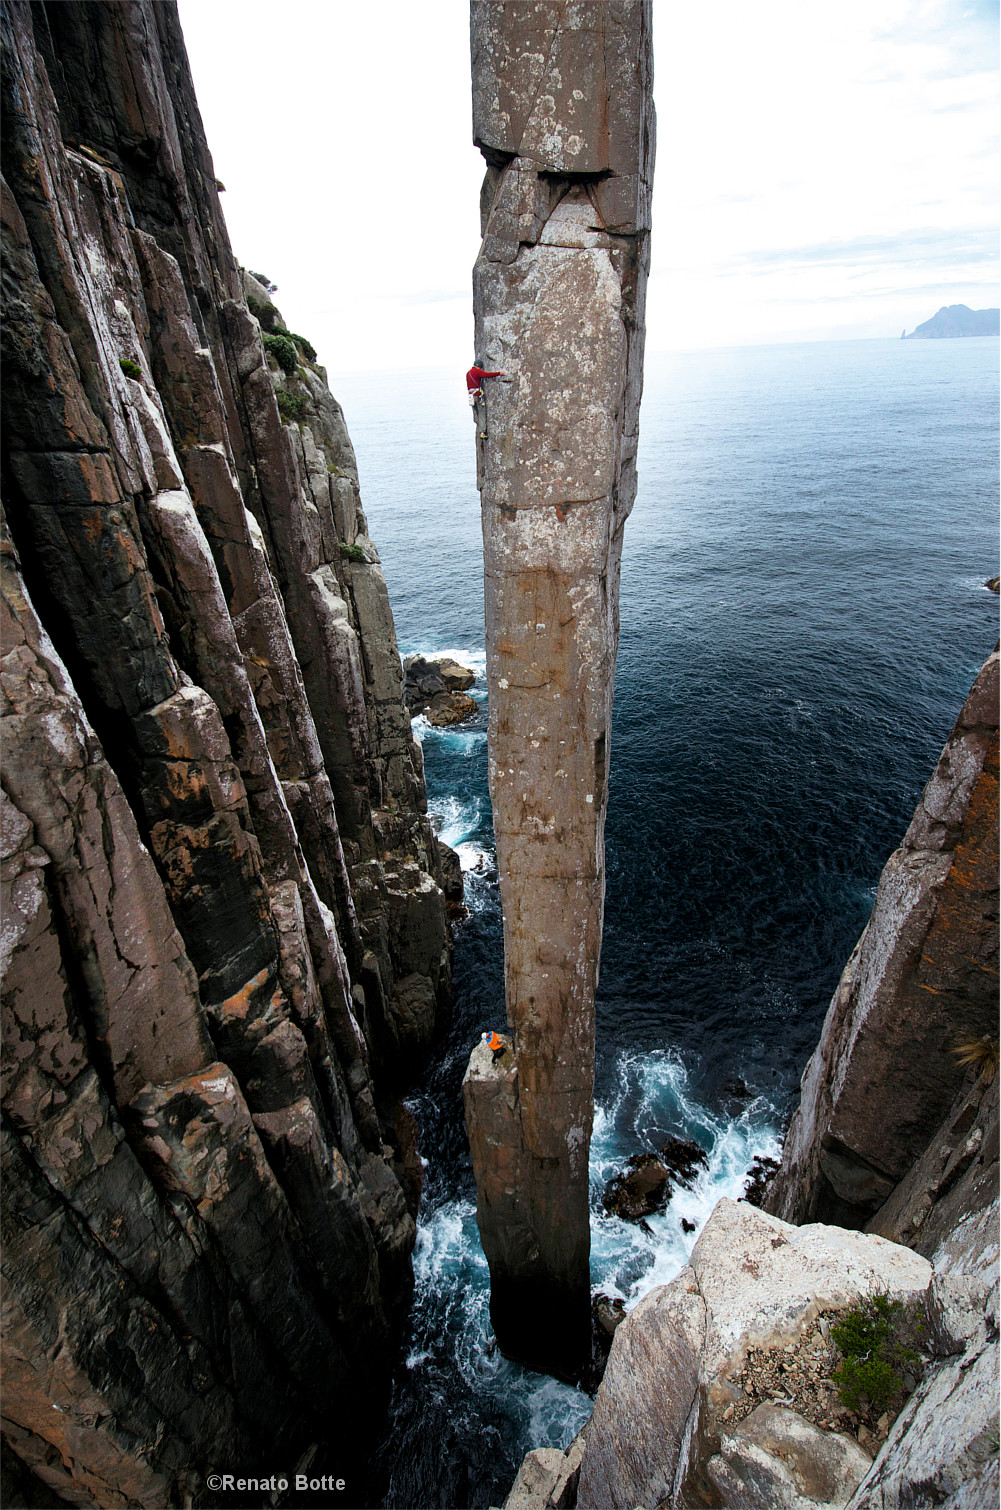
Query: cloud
(965, 34)
(964, 247)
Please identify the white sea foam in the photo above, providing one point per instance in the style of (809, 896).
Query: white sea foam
(474, 857)
(652, 1101)
(475, 659)
(456, 820)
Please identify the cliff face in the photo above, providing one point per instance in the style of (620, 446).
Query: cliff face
(922, 980)
(224, 941)
(563, 112)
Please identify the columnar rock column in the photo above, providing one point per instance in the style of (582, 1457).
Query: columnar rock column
(563, 113)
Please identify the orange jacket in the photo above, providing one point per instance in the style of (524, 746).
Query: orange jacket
(495, 1042)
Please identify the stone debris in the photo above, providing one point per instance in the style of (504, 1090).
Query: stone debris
(798, 1375)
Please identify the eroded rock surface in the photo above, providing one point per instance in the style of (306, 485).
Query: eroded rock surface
(562, 110)
(224, 945)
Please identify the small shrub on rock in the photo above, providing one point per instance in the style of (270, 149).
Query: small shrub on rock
(283, 350)
(865, 1383)
(870, 1338)
(290, 406)
(353, 553)
(306, 347)
(130, 368)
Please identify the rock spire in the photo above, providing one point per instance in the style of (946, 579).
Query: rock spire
(563, 113)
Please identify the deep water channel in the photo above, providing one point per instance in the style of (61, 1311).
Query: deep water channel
(802, 615)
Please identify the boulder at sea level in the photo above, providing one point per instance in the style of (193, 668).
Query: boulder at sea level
(645, 1185)
(455, 677)
(451, 708)
(669, 1424)
(427, 677)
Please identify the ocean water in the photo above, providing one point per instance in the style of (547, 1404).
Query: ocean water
(802, 614)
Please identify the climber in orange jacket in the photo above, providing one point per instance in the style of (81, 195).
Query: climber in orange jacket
(495, 1044)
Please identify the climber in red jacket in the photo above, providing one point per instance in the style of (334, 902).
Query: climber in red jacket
(477, 398)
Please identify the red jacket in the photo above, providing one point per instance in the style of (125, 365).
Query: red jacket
(475, 375)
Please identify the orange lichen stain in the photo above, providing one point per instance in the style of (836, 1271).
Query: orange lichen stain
(129, 546)
(184, 779)
(196, 1082)
(92, 525)
(239, 1004)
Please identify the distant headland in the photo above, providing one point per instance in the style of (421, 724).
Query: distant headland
(957, 320)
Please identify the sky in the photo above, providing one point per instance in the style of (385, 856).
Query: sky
(824, 170)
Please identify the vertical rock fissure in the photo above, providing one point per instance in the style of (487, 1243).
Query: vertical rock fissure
(558, 294)
(218, 975)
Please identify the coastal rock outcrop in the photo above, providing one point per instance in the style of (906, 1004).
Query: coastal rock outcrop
(672, 1423)
(958, 320)
(225, 944)
(563, 113)
(921, 983)
(718, 1389)
(427, 677)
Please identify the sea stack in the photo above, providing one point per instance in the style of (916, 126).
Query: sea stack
(563, 114)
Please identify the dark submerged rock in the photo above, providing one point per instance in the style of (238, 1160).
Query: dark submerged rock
(759, 1177)
(645, 1185)
(684, 1158)
(607, 1314)
(641, 1189)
